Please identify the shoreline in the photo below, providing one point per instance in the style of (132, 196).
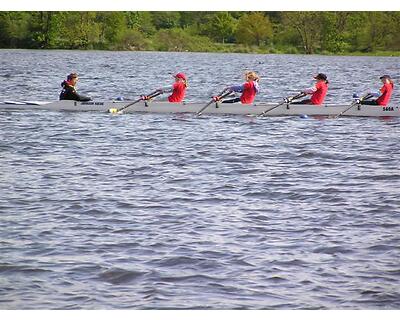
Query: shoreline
(251, 52)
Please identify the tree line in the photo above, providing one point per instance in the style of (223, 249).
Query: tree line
(261, 32)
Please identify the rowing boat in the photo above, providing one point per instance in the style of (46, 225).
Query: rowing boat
(216, 108)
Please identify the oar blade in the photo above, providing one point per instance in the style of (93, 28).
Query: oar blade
(113, 110)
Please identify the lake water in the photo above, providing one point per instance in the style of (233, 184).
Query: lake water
(155, 211)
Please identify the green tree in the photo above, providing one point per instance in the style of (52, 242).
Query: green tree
(222, 26)
(79, 30)
(369, 31)
(394, 29)
(308, 25)
(309, 32)
(134, 39)
(192, 18)
(333, 31)
(142, 21)
(14, 29)
(112, 26)
(179, 40)
(254, 28)
(355, 30)
(165, 19)
(378, 31)
(44, 27)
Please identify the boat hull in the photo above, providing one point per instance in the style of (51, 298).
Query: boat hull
(215, 108)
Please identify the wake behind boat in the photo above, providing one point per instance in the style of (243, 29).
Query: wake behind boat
(285, 109)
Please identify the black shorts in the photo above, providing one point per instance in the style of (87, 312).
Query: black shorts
(369, 102)
(305, 101)
(234, 100)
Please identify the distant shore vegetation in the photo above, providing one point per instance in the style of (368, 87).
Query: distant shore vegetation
(350, 33)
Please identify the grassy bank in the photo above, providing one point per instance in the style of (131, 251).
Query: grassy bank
(327, 33)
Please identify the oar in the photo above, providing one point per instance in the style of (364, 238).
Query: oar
(366, 97)
(219, 96)
(147, 97)
(286, 100)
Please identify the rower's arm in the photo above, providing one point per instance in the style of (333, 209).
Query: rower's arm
(167, 89)
(310, 90)
(80, 97)
(239, 88)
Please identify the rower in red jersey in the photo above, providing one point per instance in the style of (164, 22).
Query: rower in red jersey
(318, 92)
(249, 89)
(384, 93)
(178, 89)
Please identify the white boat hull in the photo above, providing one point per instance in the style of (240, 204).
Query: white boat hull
(214, 108)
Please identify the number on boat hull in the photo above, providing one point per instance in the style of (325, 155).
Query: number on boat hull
(388, 109)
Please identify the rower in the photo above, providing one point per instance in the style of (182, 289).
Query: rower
(249, 89)
(318, 92)
(178, 89)
(384, 93)
(69, 89)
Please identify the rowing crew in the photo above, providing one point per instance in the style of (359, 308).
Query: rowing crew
(249, 89)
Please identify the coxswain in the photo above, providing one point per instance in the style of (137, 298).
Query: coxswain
(69, 89)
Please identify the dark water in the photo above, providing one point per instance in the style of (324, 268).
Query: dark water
(147, 211)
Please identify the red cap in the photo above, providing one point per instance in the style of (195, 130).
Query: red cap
(180, 75)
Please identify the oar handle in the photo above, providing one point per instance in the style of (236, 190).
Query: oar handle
(147, 97)
(130, 104)
(199, 113)
(220, 96)
(262, 114)
(298, 96)
(367, 96)
(151, 95)
(347, 109)
(285, 101)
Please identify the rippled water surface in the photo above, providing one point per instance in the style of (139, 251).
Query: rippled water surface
(158, 211)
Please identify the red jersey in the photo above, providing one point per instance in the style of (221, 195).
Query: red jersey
(249, 93)
(178, 92)
(386, 91)
(319, 95)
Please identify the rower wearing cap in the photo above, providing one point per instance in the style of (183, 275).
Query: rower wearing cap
(178, 89)
(318, 92)
(384, 93)
(69, 91)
